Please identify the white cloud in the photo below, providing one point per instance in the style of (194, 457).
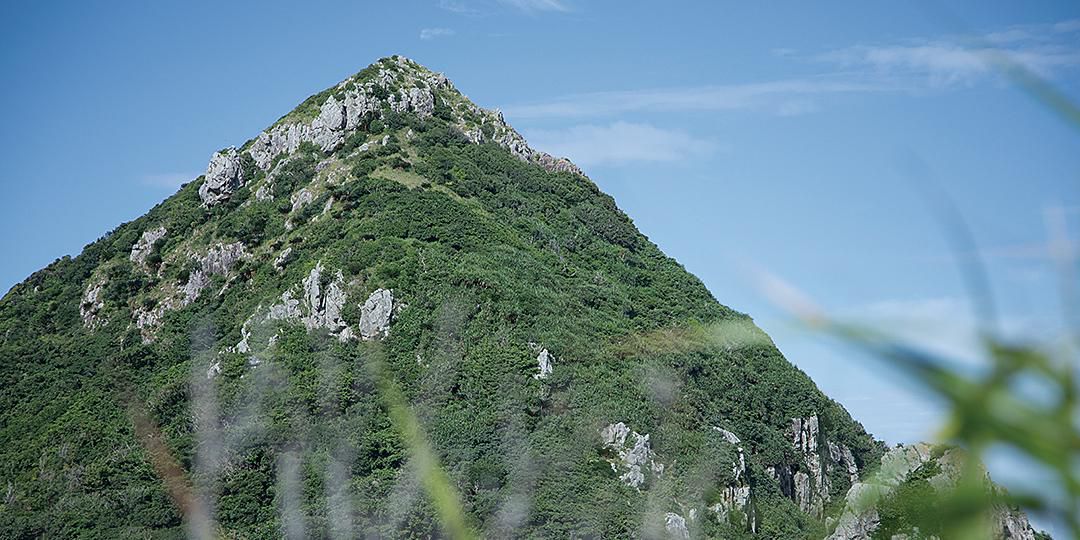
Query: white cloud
(456, 6)
(537, 5)
(435, 33)
(778, 97)
(619, 143)
(167, 180)
(1043, 49)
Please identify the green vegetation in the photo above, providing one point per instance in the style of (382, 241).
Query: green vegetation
(441, 428)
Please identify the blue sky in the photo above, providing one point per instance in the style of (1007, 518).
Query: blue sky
(742, 139)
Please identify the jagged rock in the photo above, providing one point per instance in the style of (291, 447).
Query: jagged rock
(635, 459)
(356, 102)
(91, 305)
(859, 518)
(146, 319)
(809, 488)
(243, 346)
(324, 305)
(319, 306)
(807, 482)
(214, 370)
(288, 308)
(1013, 525)
(842, 456)
(735, 496)
(145, 245)
(675, 526)
(223, 177)
(544, 361)
(375, 314)
(265, 192)
(283, 258)
(218, 260)
(301, 198)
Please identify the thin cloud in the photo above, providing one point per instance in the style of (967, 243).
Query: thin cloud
(786, 97)
(619, 143)
(530, 6)
(167, 180)
(455, 6)
(1046, 50)
(428, 34)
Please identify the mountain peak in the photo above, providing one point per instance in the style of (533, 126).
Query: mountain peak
(390, 87)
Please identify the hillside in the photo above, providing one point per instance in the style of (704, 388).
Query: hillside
(249, 358)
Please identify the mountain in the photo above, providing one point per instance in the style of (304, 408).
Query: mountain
(388, 316)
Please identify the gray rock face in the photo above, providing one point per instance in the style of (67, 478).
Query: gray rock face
(1012, 525)
(544, 362)
(91, 305)
(506, 136)
(807, 483)
(218, 260)
(145, 245)
(355, 103)
(634, 455)
(301, 198)
(675, 527)
(842, 456)
(376, 313)
(223, 177)
(811, 486)
(339, 117)
(324, 304)
(287, 309)
(735, 496)
(860, 518)
(214, 370)
(319, 305)
(283, 258)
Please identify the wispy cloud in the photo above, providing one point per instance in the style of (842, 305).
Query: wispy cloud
(619, 143)
(428, 34)
(1046, 50)
(779, 97)
(537, 5)
(167, 180)
(457, 6)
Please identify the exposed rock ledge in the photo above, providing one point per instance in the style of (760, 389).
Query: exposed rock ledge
(354, 103)
(860, 518)
(319, 306)
(634, 455)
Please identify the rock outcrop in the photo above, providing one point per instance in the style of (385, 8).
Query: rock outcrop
(675, 527)
(219, 259)
(145, 245)
(860, 519)
(375, 314)
(807, 482)
(402, 86)
(319, 306)
(223, 176)
(736, 495)
(544, 363)
(633, 455)
(91, 305)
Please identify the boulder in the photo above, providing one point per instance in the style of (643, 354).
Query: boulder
(223, 176)
(375, 314)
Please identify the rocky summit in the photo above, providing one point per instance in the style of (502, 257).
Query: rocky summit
(386, 316)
